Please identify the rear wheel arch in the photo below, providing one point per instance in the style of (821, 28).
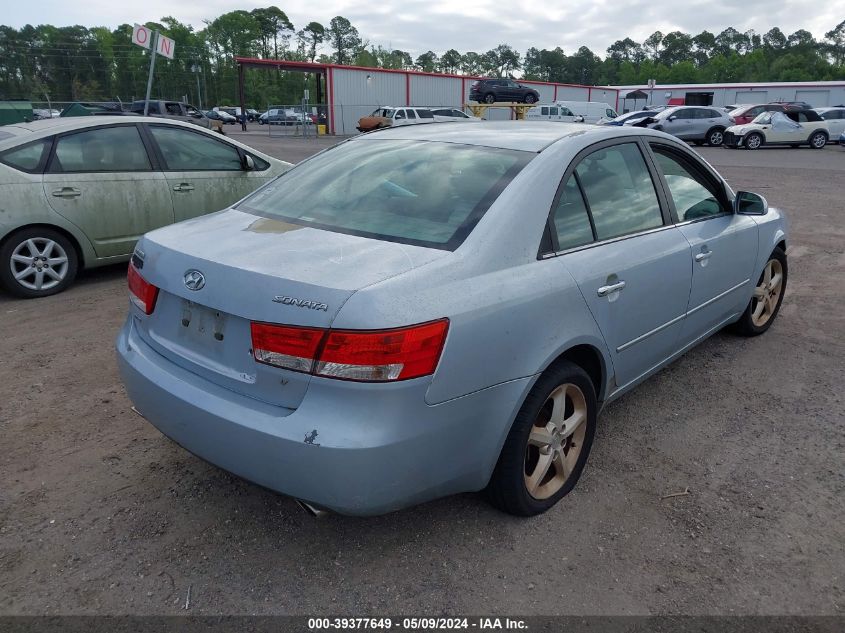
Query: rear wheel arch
(591, 360)
(80, 253)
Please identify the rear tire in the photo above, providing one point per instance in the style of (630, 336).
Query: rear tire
(715, 137)
(549, 443)
(489, 98)
(768, 296)
(37, 262)
(818, 140)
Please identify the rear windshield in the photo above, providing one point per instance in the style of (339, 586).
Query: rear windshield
(412, 192)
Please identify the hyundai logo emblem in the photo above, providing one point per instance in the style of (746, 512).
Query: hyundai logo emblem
(194, 280)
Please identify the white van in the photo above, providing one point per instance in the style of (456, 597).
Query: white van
(552, 112)
(592, 111)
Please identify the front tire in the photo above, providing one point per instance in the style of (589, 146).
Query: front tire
(37, 262)
(768, 295)
(530, 98)
(754, 141)
(549, 443)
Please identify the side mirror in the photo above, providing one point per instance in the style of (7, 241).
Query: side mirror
(249, 164)
(749, 203)
(672, 117)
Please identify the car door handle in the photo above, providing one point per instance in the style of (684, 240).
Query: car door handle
(606, 290)
(67, 192)
(703, 256)
(185, 186)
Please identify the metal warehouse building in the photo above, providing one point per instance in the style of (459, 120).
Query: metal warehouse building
(818, 94)
(350, 92)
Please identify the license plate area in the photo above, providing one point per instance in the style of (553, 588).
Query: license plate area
(204, 325)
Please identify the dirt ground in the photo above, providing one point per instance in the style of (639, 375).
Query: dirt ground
(101, 514)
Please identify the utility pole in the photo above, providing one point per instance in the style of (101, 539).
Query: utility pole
(154, 43)
(196, 70)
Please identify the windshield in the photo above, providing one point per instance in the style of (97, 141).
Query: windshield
(413, 192)
(383, 112)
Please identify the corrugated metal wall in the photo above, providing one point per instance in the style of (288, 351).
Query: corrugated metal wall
(816, 97)
(428, 90)
(357, 92)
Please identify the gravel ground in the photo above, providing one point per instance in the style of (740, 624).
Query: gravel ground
(99, 513)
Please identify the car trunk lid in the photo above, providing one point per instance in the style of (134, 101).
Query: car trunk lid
(219, 273)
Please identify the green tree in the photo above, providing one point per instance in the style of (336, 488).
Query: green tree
(343, 38)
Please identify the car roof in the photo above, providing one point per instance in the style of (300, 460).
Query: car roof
(24, 132)
(528, 136)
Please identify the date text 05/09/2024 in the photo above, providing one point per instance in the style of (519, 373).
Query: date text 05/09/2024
(417, 624)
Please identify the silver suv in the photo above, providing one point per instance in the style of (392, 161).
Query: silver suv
(699, 124)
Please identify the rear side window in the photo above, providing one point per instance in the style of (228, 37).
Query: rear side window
(102, 149)
(27, 157)
(412, 192)
(619, 191)
(184, 150)
(411, 114)
(425, 114)
(571, 218)
(544, 111)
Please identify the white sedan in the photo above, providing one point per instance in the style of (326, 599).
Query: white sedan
(453, 114)
(797, 127)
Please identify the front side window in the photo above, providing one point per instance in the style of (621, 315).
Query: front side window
(413, 192)
(694, 196)
(610, 113)
(544, 111)
(27, 157)
(619, 191)
(173, 108)
(103, 149)
(400, 114)
(571, 218)
(184, 150)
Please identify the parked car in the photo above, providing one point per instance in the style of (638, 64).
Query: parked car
(842, 139)
(835, 119)
(78, 192)
(225, 117)
(630, 118)
(746, 114)
(793, 127)
(175, 110)
(283, 116)
(45, 113)
(252, 114)
(698, 124)
(368, 284)
(592, 111)
(394, 117)
(553, 112)
(452, 114)
(217, 120)
(501, 90)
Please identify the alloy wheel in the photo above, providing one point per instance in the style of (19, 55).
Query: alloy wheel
(753, 142)
(555, 441)
(716, 138)
(767, 294)
(39, 263)
(818, 140)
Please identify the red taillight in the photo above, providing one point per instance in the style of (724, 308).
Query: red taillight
(371, 355)
(142, 293)
(284, 346)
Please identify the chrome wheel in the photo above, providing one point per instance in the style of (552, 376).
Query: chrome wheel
(767, 294)
(716, 138)
(555, 441)
(818, 140)
(39, 263)
(754, 141)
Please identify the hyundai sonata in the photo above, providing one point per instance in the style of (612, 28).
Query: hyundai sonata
(437, 308)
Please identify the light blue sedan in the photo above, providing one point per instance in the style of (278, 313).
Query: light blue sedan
(436, 309)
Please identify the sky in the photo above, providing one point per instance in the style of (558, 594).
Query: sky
(468, 25)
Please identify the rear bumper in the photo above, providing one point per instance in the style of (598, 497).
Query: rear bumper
(351, 448)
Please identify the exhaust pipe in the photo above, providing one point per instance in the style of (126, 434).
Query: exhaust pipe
(311, 510)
